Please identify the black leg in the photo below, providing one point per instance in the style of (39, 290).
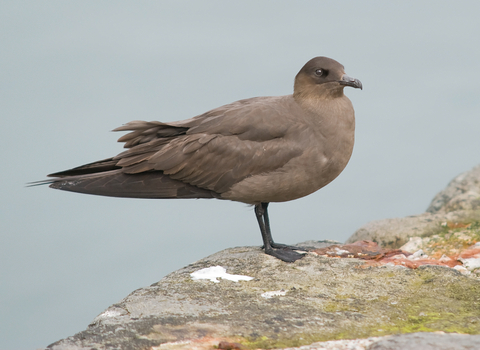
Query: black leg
(267, 222)
(280, 251)
(269, 232)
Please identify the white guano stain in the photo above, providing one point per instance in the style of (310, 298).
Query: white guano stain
(274, 293)
(214, 272)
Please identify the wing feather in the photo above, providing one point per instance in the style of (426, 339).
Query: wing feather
(217, 149)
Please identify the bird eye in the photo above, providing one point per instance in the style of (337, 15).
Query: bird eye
(319, 72)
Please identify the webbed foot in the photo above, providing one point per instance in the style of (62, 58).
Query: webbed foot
(285, 254)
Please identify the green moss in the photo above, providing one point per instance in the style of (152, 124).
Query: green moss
(457, 310)
(342, 297)
(338, 307)
(428, 322)
(405, 323)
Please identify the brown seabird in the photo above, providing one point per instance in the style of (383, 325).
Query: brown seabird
(256, 151)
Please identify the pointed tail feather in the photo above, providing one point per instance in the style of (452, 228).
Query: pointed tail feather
(90, 168)
(115, 183)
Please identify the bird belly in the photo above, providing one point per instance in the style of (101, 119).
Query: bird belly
(298, 178)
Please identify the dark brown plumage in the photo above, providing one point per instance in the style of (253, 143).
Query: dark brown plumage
(256, 151)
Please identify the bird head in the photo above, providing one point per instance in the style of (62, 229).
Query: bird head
(322, 77)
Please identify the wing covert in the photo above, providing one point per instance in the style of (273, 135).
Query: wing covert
(216, 149)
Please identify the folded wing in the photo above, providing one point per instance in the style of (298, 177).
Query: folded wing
(200, 157)
(215, 150)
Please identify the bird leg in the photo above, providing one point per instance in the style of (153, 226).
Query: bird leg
(269, 232)
(281, 251)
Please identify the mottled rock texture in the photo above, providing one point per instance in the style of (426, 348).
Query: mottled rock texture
(459, 202)
(325, 299)
(420, 341)
(427, 341)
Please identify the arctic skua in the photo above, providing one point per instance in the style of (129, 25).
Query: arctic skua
(256, 151)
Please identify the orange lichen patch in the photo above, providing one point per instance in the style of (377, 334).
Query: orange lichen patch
(366, 250)
(225, 345)
(204, 343)
(451, 224)
(472, 252)
(411, 264)
(456, 245)
(451, 245)
(377, 256)
(452, 241)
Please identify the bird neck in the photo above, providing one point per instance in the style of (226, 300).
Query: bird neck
(313, 97)
(317, 92)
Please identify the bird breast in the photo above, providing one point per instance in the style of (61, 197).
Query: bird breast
(326, 140)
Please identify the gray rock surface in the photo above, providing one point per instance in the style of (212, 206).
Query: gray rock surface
(462, 193)
(420, 341)
(458, 202)
(428, 341)
(284, 305)
(314, 303)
